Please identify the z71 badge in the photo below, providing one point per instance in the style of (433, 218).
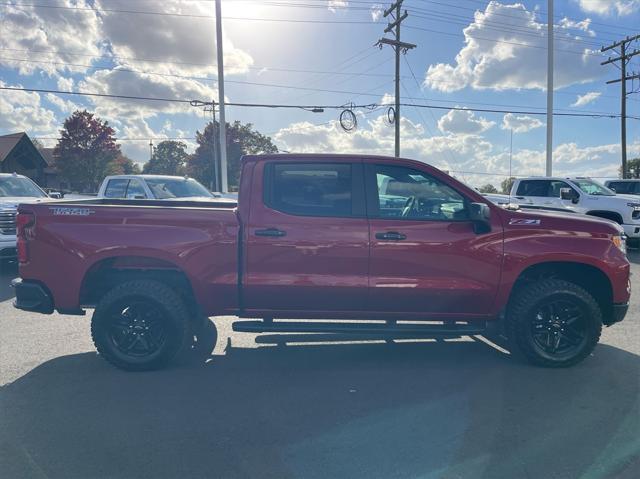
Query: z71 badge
(66, 211)
(524, 222)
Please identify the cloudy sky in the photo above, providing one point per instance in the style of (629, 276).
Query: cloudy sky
(471, 53)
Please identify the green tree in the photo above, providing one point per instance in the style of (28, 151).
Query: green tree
(633, 168)
(242, 139)
(488, 188)
(506, 185)
(169, 158)
(126, 166)
(86, 151)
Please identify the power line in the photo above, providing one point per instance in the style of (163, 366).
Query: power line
(315, 107)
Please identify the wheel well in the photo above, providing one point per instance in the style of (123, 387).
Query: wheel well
(607, 215)
(586, 276)
(108, 273)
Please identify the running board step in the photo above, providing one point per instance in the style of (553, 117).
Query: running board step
(382, 329)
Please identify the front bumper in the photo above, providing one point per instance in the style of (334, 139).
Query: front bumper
(632, 230)
(618, 312)
(7, 246)
(32, 297)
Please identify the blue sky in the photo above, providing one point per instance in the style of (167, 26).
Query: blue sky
(471, 53)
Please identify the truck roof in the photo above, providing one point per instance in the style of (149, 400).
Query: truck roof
(554, 178)
(322, 156)
(160, 177)
(14, 175)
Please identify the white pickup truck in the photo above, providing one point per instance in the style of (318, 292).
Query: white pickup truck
(158, 187)
(580, 195)
(14, 189)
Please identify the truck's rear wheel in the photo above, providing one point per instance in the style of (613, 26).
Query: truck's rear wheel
(140, 325)
(554, 323)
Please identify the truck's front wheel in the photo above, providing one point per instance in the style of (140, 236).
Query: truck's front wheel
(140, 325)
(554, 323)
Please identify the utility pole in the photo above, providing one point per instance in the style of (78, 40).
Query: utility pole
(549, 165)
(399, 47)
(150, 149)
(623, 58)
(223, 124)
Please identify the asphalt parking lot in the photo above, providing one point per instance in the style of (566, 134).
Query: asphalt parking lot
(436, 409)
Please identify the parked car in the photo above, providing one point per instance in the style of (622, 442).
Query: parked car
(158, 187)
(581, 195)
(14, 189)
(316, 236)
(625, 187)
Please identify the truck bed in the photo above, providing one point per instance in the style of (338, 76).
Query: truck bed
(76, 238)
(218, 203)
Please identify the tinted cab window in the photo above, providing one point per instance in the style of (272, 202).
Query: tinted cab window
(625, 187)
(541, 188)
(310, 189)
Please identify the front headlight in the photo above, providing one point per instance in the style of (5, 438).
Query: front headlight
(621, 242)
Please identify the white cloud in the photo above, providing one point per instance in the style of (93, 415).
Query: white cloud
(520, 124)
(334, 5)
(65, 106)
(28, 31)
(609, 7)
(143, 85)
(462, 155)
(23, 111)
(513, 57)
(463, 122)
(376, 11)
(587, 98)
(65, 83)
(584, 25)
(172, 44)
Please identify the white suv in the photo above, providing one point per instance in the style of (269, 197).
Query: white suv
(14, 189)
(580, 195)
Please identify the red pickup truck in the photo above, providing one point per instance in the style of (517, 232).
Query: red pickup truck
(340, 237)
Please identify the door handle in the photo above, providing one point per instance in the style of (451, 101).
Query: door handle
(391, 236)
(272, 232)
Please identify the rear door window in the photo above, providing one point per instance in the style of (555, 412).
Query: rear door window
(116, 188)
(622, 186)
(135, 190)
(533, 188)
(541, 188)
(310, 189)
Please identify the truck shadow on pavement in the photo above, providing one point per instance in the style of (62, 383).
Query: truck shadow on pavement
(438, 409)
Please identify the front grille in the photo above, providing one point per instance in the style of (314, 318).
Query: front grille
(8, 222)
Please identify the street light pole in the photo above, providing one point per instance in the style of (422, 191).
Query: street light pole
(223, 124)
(549, 166)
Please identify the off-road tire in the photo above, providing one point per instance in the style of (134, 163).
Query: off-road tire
(179, 335)
(522, 312)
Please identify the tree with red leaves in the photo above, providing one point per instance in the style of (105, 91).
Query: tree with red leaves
(86, 151)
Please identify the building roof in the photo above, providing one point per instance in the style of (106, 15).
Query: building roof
(18, 147)
(8, 143)
(47, 154)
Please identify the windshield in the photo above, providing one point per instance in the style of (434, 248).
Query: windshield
(21, 187)
(591, 187)
(167, 188)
